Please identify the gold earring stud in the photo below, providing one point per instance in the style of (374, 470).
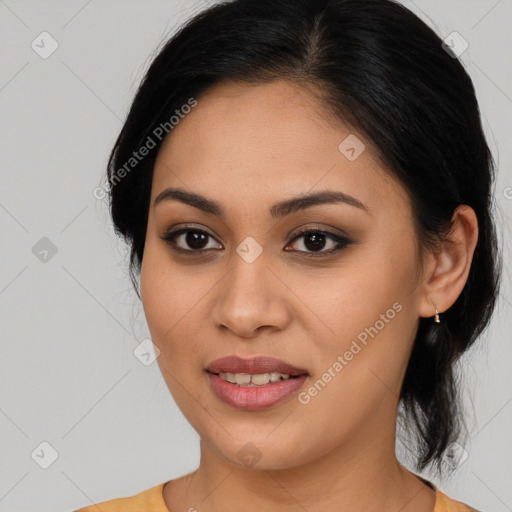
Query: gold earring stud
(436, 317)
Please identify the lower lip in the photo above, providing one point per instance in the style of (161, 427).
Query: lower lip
(255, 397)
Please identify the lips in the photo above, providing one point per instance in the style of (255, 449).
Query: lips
(255, 365)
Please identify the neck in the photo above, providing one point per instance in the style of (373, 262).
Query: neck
(360, 475)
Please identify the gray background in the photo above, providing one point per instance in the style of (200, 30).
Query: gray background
(70, 320)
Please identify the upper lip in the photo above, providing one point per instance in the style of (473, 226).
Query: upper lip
(255, 365)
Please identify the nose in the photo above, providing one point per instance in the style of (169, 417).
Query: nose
(252, 299)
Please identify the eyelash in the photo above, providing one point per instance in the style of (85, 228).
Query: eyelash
(342, 242)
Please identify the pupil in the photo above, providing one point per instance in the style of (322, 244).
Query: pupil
(317, 241)
(196, 240)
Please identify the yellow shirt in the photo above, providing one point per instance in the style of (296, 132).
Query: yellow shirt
(152, 500)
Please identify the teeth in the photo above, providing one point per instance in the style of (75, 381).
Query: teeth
(276, 376)
(242, 378)
(259, 379)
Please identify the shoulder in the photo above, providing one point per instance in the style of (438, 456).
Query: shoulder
(446, 504)
(150, 500)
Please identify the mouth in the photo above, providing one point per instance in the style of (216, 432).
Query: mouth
(258, 371)
(254, 384)
(255, 380)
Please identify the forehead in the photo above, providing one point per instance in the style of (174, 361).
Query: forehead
(266, 141)
(245, 119)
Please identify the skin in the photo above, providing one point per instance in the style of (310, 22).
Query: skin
(248, 147)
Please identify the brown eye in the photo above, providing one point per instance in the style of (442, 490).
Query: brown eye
(316, 240)
(188, 240)
(195, 242)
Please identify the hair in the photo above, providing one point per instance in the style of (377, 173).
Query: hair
(382, 71)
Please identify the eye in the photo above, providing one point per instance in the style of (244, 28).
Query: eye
(195, 241)
(315, 240)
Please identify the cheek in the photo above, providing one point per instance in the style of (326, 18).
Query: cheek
(163, 290)
(161, 297)
(340, 303)
(354, 378)
(369, 326)
(171, 300)
(168, 308)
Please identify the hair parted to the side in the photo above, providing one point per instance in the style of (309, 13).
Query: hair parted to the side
(381, 70)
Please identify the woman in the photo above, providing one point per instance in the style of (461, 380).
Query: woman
(306, 190)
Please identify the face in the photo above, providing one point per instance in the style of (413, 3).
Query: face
(339, 301)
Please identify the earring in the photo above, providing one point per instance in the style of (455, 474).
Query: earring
(436, 318)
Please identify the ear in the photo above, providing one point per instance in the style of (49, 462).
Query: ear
(448, 268)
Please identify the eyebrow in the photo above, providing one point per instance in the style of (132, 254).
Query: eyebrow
(278, 210)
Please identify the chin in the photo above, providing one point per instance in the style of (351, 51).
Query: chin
(258, 452)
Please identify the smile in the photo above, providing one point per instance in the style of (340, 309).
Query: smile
(251, 396)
